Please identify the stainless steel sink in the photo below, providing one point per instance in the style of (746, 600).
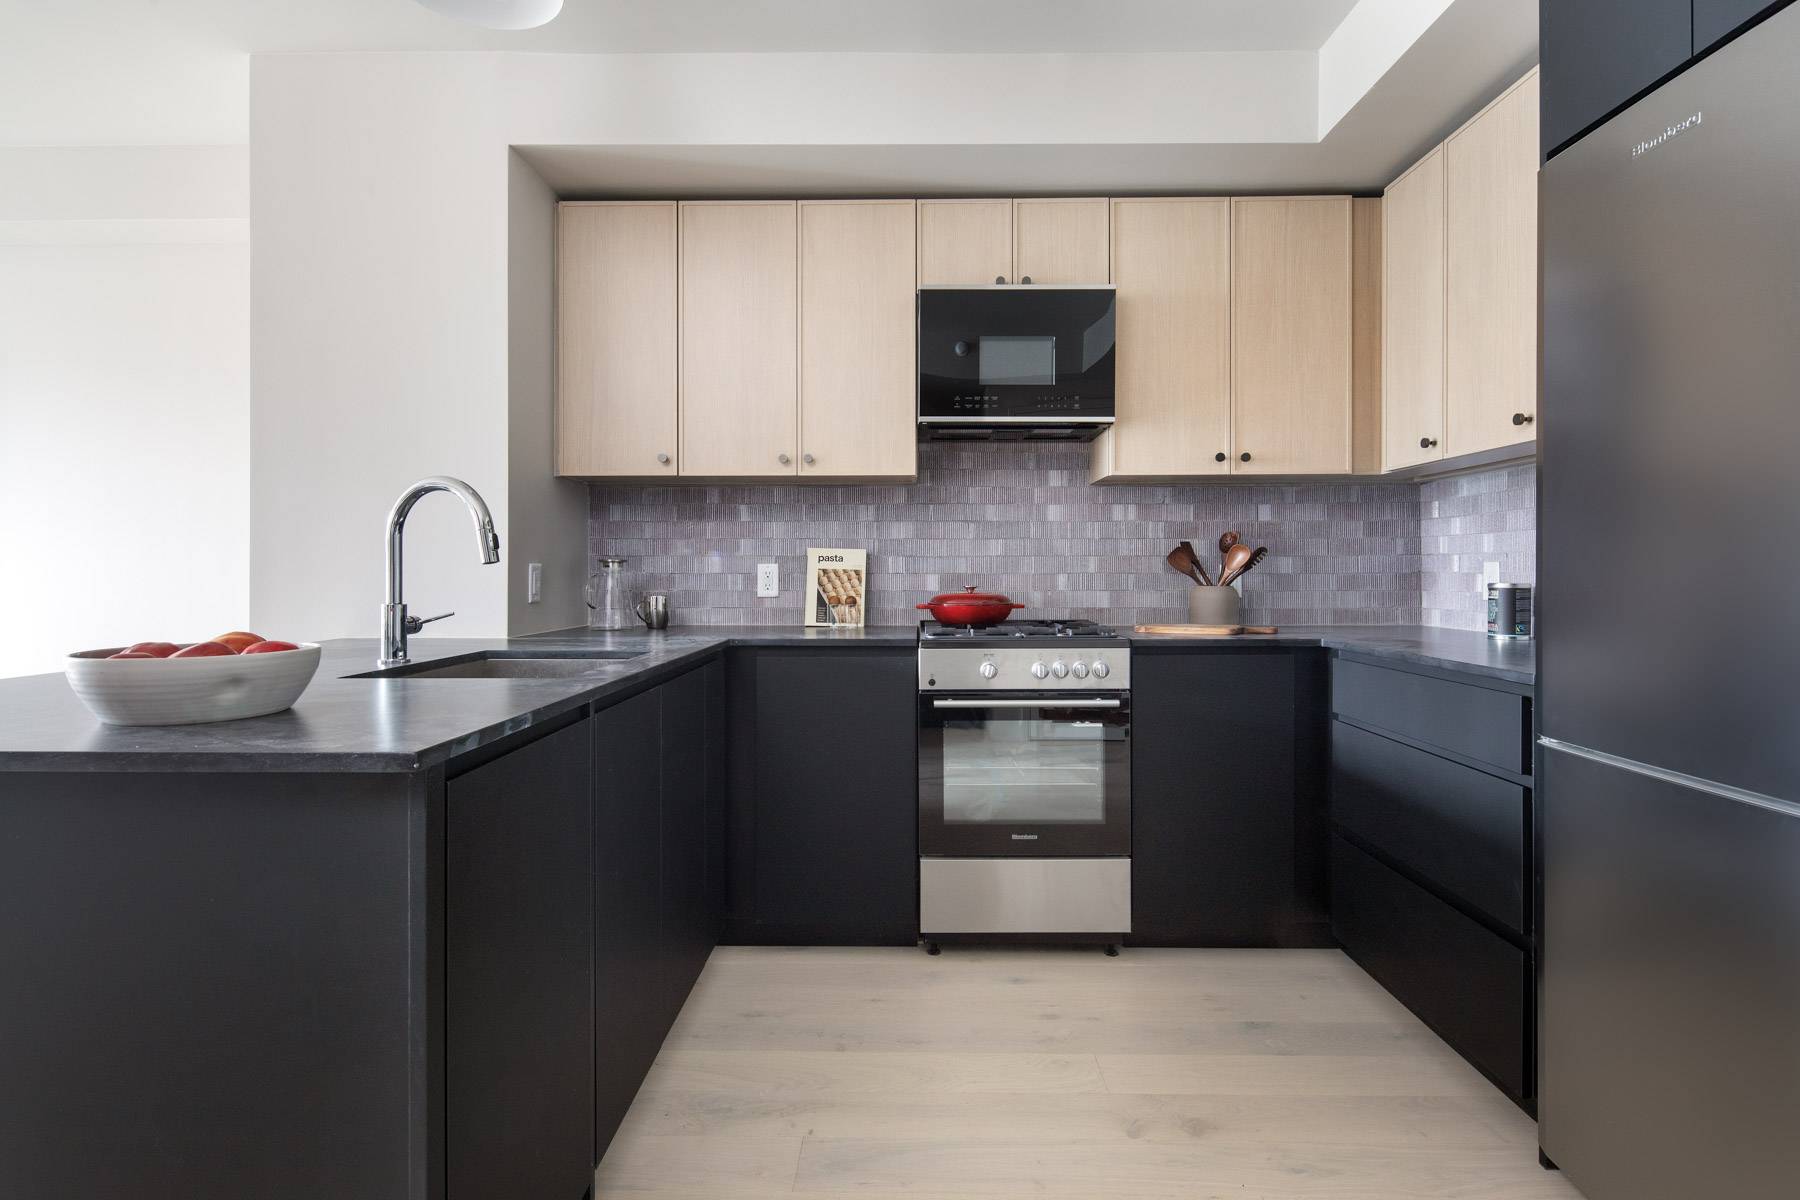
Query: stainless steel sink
(509, 666)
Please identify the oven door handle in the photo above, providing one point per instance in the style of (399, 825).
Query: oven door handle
(1047, 702)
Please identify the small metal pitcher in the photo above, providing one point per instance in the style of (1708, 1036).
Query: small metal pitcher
(653, 610)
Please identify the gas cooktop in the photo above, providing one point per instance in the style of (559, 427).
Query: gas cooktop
(1016, 631)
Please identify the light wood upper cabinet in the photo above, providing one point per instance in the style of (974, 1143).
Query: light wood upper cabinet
(1172, 268)
(1413, 318)
(1491, 362)
(1062, 241)
(1290, 343)
(739, 338)
(858, 346)
(615, 339)
(965, 242)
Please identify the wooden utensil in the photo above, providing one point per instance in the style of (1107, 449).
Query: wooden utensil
(1233, 566)
(1183, 560)
(1205, 579)
(1256, 556)
(1205, 630)
(1227, 540)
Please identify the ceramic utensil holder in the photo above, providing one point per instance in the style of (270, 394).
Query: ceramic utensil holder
(1215, 606)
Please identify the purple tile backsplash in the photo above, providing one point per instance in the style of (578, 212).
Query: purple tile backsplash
(1465, 522)
(1022, 519)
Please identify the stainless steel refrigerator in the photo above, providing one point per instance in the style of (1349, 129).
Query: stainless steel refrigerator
(1669, 638)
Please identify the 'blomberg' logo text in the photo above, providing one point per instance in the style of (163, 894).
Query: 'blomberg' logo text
(1673, 131)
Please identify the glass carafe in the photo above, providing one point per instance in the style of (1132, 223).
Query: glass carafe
(608, 599)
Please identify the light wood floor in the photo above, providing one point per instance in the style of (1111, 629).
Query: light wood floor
(1004, 1074)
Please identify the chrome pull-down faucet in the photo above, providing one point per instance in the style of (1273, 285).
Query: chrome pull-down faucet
(395, 624)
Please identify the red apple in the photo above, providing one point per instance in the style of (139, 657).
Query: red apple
(268, 648)
(133, 654)
(237, 640)
(203, 650)
(152, 649)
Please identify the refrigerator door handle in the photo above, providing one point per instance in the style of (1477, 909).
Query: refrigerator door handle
(1723, 790)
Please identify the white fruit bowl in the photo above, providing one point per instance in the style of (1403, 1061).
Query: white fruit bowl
(189, 691)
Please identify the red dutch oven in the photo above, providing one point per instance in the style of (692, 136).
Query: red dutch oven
(970, 607)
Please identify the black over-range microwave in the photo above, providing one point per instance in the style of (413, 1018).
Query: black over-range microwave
(1016, 362)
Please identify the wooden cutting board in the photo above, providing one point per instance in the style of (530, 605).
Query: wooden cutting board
(1201, 631)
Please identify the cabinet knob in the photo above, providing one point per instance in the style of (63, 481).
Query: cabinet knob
(663, 459)
(999, 279)
(1427, 443)
(785, 460)
(1523, 418)
(1244, 457)
(1024, 279)
(807, 459)
(1219, 457)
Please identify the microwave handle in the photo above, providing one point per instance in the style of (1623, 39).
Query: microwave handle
(1049, 701)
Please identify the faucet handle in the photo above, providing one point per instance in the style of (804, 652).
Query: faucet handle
(414, 624)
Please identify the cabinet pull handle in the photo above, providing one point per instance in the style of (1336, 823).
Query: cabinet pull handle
(1219, 457)
(999, 279)
(1244, 457)
(663, 459)
(785, 460)
(1024, 279)
(1523, 418)
(807, 459)
(1427, 443)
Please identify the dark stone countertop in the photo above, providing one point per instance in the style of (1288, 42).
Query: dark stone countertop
(1457, 650)
(343, 723)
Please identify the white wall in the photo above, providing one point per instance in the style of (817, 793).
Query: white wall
(124, 394)
(546, 516)
(124, 386)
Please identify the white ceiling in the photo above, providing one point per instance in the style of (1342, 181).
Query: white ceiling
(655, 26)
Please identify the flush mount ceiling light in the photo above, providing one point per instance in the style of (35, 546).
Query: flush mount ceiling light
(498, 14)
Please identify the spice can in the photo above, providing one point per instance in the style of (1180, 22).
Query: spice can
(1509, 610)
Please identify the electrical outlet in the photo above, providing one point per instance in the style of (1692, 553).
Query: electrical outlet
(768, 579)
(534, 582)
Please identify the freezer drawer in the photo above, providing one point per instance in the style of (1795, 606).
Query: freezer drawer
(1670, 1034)
(1465, 981)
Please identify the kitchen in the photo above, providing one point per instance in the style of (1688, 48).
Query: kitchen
(692, 858)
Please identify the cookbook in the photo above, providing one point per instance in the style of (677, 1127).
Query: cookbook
(836, 587)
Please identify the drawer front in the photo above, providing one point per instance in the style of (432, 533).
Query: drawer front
(1480, 723)
(1462, 830)
(1467, 983)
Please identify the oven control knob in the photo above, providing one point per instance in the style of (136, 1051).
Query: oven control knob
(1080, 670)
(1101, 670)
(1059, 668)
(1039, 670)
(989, 670)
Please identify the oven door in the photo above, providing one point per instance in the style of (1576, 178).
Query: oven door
(1027, 355)
(1031, 776)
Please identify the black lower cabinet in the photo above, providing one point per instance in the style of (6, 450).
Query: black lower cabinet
(629, 998)
(1469, 984)
(518, 974)
(823, 832)
(658, 805)
(1227, 798)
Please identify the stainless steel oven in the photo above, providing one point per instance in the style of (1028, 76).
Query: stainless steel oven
(1025, 785)
(1026, 776)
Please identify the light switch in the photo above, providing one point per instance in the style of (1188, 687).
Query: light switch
(534, 582)
(768, 579)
